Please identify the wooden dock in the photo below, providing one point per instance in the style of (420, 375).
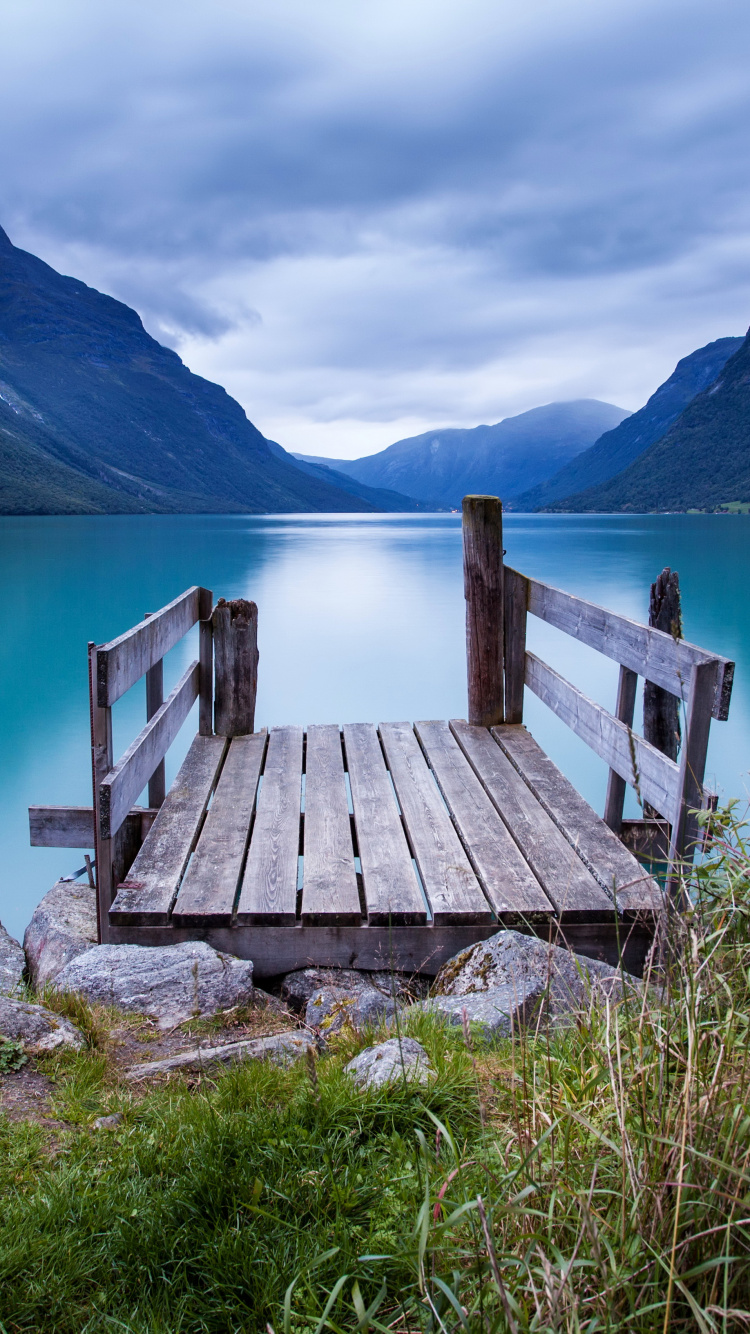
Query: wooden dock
(389, 845)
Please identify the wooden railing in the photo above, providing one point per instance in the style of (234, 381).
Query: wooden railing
(701, 679)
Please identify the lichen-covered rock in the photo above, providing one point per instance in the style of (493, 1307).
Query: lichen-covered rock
(169, 982)
(330, 1008)
(280, 1049)
(37, 1028)
(12, 963)
(567, 983)
(63, 926)
(500, 1011)
(396, 1059)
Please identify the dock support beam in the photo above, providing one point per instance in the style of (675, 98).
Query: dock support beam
(235, 634)
(485, 608)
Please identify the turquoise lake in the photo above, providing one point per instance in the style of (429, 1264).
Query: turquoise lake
(360, 619)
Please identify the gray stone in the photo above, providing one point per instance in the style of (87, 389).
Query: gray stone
(390, 1061)
(108, 1122)
(12, 964)
(170, 982)
(280, 1049)
(297, 988)
(36, 1028)
(63, 926)
(330, 1008)
(500, 1011)
(524, 967)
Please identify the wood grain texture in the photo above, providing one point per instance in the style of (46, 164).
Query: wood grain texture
(483, 591)
(235, 640)
(102, 759)
(661, 709)
(210, 884)
(508, 881)
(329, 893)
(649, 652)
(157, 783)
(147, 895)
(129, 776)
(206, 659)
(408, 949)
(73, 826)
(452, 889)
(124, 660)
(269, 885)
(566, 881)
(516, 599)
(691, 770)
(655, 777)
(614, 801)
(609, 861)
(392, 893)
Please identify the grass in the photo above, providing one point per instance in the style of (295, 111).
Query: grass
(587, 1180)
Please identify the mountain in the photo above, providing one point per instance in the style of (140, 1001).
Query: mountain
(97, 417)
(391, 501)
(445, 465)
(702, 462)
(616, 449)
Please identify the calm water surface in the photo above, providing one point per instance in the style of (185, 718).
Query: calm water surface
(359, 619)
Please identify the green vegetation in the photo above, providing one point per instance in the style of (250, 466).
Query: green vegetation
(597, 1179)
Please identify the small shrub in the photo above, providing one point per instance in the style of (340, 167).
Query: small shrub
(12, 1055)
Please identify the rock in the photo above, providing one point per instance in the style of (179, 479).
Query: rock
(390, 1061)
(526, 970)
(332, 997)
(63, 926)
(170, 982)
(36, 1028)
(12, 963)
(500, 1011)
(281, 1049)
(108, 1122)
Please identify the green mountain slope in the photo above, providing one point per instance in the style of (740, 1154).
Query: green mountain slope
(97, 417)
(702, 462)
(618, 448)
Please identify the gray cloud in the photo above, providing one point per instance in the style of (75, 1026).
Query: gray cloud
(395, 216)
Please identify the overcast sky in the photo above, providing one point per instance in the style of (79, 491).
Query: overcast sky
(366, 218)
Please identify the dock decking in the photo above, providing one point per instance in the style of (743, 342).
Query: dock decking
(398, 844)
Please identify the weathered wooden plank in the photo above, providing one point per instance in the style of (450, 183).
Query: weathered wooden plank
(452, 889)
(392, 893)
(157, 783)
(691, 770)
(606, 857)
(147, 895)
(407, 949)
(123, 661)
(569, 885)
(119, 789)
(102, 759)
(209, 888)
(615, 799)
(235, 634)
(645, 650)
(329, 891)
(269, 885)
(516, 598)
(661, 709)
(73, 826)
(483, 591)
(507, 879)
(655, 777)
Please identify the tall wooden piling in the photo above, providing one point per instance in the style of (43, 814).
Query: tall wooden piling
(235, 642)
(661, 710)
(484, 593)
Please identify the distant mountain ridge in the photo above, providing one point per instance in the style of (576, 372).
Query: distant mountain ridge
(443, 466)
(617, 449)
(702, 462)
(97, 417)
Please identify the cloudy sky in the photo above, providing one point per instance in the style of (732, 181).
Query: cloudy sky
(367, 218)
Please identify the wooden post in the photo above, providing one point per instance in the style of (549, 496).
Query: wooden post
(157, 784)
(235, 634)
(703, 680)
(206, 658)
(661, 710)
(485, 607)
(615, 799)
(102, 760)
(516, 607)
